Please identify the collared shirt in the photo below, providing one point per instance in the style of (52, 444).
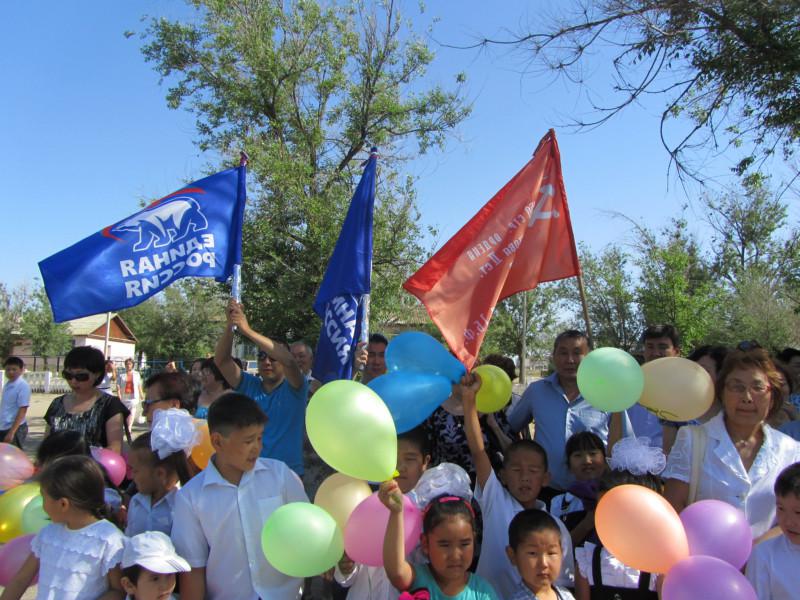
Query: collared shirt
(524, 593)
(556, 420)
(143, 515)
(723, 476)
(16, 394)
(217, 526)
(773, 569)
(286, 410)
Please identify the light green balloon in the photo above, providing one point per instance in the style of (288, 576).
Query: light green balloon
(34, 517)
(610, 379)
(302, 540)
(352, 430)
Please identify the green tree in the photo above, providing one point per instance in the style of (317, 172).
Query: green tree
(306, 88)
(13, 304)
(47, 337)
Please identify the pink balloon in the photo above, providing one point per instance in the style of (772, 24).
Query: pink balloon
(366, 528)
(15, 466)
(715, 528)
(12, 556)
(112, 462)
(706, 578)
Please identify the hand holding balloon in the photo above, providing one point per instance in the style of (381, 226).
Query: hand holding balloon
(390, 496)
(468, 390)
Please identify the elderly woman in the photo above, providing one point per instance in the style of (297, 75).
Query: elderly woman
(735, 456)
(212, 386)
(98, 416)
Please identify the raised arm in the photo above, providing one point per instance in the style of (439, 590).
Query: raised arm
(222, 353)
(398, 569)
(470, 384)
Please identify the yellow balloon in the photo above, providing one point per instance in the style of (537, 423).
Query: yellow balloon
(12, 505)
(339, 495)
(495, 391)
(201, 453)
(676, 389)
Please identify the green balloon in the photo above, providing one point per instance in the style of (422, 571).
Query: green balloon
(12, 504)
(34, 517)
(610, 379)
(352, 430)
(302, 540)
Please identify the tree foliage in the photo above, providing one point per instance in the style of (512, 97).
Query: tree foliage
(47, 337)
(13, 303)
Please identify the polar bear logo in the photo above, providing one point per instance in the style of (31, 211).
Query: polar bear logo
(163, 223)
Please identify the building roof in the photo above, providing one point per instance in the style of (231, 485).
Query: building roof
(95, 325)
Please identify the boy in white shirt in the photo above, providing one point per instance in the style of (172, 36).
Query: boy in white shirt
(219, 514)
(773, 565)
(15, 402)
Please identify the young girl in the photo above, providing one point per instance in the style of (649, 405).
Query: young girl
(600, 576)
(448, 542)
(158, 465)
(78, 555)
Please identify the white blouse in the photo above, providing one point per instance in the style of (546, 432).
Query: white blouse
(615, 574)
(723, 476)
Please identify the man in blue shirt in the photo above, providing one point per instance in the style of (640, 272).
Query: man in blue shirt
(558, 410)
(280, 388)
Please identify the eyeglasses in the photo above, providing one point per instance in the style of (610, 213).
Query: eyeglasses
(82, 377)
(152, 401)
(757, 389)
(264, 356)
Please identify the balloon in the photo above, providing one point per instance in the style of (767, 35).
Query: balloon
(410, 396)
(202, 452)
(15, 466)
(12, 556)
(610, 379)
(366, 528)
(351, 429)
(112, 462)
(715, 528)
(641, 528)
(417, 351)
(676, 389)
(495, 391)
(12, 504)
(33, 516)
(339, 495)
(708, 578)
(301, 540)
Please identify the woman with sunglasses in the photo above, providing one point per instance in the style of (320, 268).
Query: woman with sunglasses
(99, 416)
(735, 456)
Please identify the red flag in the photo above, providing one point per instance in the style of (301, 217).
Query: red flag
(520, 238)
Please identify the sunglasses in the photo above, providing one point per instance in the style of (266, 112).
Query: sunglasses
(82, 377)
(263, 356)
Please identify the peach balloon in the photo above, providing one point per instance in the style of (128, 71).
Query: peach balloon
(641, 529)
(339, 495)
(201, 453)
(676, 389)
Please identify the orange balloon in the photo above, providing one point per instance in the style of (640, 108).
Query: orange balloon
(201, 453)
(641, 529)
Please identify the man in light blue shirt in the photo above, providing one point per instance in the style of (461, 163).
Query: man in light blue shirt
(557, 408)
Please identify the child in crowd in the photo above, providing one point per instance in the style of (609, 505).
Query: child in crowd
(600, 576)
(523, 475)
(371, 583)
(586, 459)
(534, 548)
(219, 514)
(448, 542)
(14, 404)
(149, 565)
(77, 556)
(159, 467)
(773, 565)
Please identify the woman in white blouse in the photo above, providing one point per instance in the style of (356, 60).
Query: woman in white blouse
(741, 455)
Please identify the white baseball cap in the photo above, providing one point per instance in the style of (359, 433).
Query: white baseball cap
(154, 551)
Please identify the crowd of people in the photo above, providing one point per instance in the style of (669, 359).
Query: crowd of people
(508, 499)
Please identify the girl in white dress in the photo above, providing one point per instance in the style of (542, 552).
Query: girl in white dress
(77, 557)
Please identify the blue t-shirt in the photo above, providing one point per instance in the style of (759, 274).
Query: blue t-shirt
(477, 587)
(286, 411)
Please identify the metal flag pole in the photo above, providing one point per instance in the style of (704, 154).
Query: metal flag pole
(108, 332)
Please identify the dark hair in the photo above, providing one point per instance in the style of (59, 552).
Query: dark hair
(174, 386)
(175, 463)
(755, 358)
(14, 361)
(132, 573)
(787, 354)
(89, 358)
(715, 353)
(504, 362)
(787, 375)
(788, 482)
(530, 445)
(444, 507)
(234, 411)
(79, 479)
(61, 443)
(662, 331)
(418, 437)
(304, 344)
(569, 334)
(612, 478)
(582, 441)
(531, 520)
(209, 364)
(377, 338)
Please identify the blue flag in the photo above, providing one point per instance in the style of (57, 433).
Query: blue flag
(194, 232)
(339, 302)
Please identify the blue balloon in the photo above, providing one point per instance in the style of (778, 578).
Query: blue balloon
(417, 351)
(410, 396)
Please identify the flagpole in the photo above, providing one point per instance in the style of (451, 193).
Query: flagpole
(236, 284)
(108, 332)
(585, 311)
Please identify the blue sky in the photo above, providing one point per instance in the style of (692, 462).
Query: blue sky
(85, 133)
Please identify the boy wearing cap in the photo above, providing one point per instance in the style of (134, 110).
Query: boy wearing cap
(149, 565)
